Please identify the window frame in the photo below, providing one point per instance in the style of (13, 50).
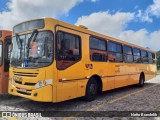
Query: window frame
(53, 35)
(128, 54)
(115, 52)
(106, 47)
(56, 49)
(101, 39)
(152, 57)
(137, 55)
(145, 57)
(128, 47)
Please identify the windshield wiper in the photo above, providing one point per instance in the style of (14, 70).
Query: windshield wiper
(19, 45)
(31, 39)
(18, 41)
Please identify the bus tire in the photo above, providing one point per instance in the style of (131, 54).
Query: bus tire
(91, 90)
(141, 80)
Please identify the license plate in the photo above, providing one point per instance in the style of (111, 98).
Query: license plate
(23, 90)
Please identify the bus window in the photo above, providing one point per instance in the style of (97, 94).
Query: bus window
(115, 52)
(136, 53)
(98, 49)
(150, 58)
(68, 50)
(1, 53)
(128, 57)
(154, 58)
(144, 56)
(7, 52)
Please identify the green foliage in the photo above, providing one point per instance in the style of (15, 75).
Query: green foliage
(158, 53)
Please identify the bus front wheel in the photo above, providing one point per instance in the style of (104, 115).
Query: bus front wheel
(91, 90)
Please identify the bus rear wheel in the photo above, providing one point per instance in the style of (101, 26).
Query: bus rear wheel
(141, 81)
(91, 90)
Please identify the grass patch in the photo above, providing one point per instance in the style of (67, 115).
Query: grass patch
(158, 71)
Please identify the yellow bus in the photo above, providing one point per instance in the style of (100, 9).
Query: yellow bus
(53, 61)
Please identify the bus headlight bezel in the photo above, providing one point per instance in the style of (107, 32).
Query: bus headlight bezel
(43, 83)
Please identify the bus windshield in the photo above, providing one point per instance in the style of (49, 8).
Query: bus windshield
(39, 52)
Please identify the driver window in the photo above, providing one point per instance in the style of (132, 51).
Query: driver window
(68, 50)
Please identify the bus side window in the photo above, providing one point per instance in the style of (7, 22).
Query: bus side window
(137, 55)
(7, 54)
(144, 56)
(68, 50)
(115, 52)
(128, 57)
(151, 58)
(98, 49)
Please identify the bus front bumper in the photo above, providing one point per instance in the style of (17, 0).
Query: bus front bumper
(43, 94)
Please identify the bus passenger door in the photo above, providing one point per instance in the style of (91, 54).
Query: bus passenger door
(7, 53)
(68, 62)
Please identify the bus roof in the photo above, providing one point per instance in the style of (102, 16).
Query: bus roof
(83, 29)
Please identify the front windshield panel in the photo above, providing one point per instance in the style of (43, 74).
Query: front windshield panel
(39, 53)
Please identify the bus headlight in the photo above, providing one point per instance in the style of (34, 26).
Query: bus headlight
(11, 81)
(43, 83)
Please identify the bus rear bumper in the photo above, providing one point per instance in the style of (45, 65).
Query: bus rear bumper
(43, 94)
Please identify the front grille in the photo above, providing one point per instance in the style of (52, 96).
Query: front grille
(27, 83)
(26, 74)
(18, 82)
(30, 84)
